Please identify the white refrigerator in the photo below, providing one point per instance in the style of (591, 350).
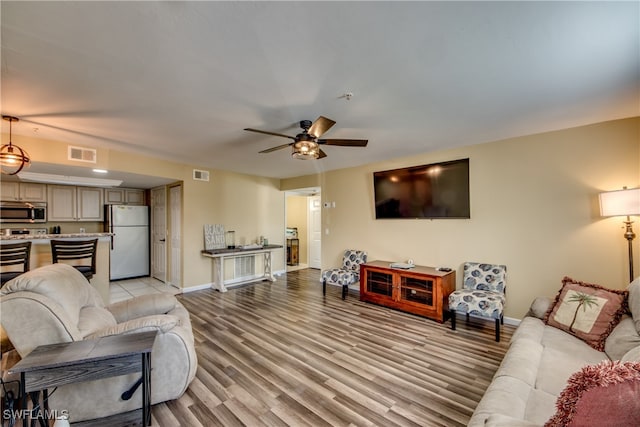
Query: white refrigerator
(130, 244)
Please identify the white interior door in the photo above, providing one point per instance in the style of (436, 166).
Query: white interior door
(175, 232)
(315, 231)
(159, 233)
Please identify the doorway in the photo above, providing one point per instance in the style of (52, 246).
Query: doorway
(303, 224)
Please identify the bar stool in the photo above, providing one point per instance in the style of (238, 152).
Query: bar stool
(73, 250)
(11, 255)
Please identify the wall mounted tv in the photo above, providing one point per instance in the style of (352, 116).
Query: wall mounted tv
(438, 190)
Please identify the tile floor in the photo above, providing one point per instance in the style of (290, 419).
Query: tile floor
(121, 290)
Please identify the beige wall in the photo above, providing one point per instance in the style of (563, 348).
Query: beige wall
(250, 205)
(533, 207)
(297, 217)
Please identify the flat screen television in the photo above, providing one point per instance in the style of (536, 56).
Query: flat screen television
(438, 190)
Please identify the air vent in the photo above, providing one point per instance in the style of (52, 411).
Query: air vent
(81, 154)
(199, 175)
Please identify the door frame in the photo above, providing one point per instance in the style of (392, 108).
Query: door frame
(307, 192)
(153, 203)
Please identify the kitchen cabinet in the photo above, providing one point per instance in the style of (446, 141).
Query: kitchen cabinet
(124, 196)
(68, 203)
(23, 191)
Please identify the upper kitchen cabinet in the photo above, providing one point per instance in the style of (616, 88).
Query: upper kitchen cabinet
(124, 196)
(69, 203)
(23, 191)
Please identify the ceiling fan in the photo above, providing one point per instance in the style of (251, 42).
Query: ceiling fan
(306, 144)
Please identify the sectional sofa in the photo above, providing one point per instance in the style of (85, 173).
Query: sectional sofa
(552, 377)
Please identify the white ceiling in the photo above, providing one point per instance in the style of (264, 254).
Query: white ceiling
(180, 80)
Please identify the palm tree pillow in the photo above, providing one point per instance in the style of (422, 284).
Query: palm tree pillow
(587, 311)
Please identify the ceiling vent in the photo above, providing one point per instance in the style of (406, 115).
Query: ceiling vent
(81, 154)
(199, 175)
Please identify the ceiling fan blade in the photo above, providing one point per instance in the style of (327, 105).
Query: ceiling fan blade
(320, 126)
(279, 147)
(270, 133)
(345, 142)
(322, 154)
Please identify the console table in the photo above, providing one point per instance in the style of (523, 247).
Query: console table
(55, 365)
(218, 257)
(419, 290)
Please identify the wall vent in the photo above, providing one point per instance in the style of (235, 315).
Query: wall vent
(199, 175)
(245, 267)
(82, 154)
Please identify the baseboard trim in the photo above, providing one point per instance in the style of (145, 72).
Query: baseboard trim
(512, 321)
(197, 288)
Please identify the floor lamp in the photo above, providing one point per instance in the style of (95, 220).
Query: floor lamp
(625, 202)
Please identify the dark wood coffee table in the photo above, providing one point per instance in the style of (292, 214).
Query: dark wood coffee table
(66, 363)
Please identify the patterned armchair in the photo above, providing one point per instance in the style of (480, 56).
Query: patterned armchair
(347, 274)
(483, 293)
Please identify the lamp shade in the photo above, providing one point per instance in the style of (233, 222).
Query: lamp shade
(620, 203)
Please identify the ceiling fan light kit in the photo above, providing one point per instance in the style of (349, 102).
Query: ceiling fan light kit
(12, 158)
(305, 150)
(306, 145)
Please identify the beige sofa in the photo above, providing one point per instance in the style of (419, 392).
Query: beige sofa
(541, 359)
(56, 304)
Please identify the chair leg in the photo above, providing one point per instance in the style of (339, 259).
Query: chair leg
(497, 330)
(452, 313)
(345, 288)
(502, 319)
(467, 317)
(324, 286)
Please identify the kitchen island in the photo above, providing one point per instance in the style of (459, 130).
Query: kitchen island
(41, 254)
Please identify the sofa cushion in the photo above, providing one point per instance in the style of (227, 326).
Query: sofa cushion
(623, 338)
(634, 301)
(587, 311)
(632, 355)
(598, 395)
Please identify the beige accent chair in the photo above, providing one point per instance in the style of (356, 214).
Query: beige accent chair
(56, 303)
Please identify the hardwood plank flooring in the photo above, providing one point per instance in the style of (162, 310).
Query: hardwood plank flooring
(281, 354)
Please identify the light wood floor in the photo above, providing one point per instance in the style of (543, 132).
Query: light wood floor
(277, 354)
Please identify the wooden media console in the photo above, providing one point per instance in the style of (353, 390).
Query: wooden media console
(419, 290)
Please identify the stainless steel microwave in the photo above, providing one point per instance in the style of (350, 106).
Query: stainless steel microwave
(23, 212)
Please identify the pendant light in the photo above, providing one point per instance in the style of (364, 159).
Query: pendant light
(12, 158)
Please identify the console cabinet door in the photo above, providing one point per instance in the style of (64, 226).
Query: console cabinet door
(377, 286)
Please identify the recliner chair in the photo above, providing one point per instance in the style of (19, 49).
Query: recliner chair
(56, 303)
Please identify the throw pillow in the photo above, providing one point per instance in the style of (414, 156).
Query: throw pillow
(599, 395)
(587, 311)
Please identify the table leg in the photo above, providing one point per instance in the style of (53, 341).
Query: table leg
(23, 395)
(268, 274)
(146, 389)
(218, 274)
